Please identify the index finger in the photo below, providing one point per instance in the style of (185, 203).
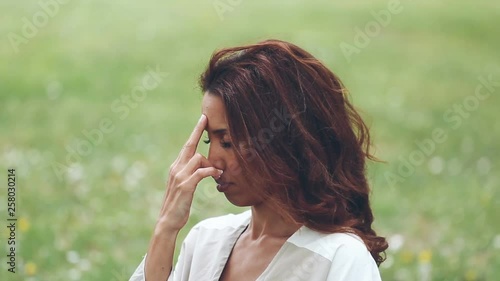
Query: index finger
(189, 148)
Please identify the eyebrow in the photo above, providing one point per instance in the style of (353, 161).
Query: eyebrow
(219, 132)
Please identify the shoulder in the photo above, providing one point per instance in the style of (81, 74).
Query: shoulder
(349, 257)
(338, 246)
(218, 227)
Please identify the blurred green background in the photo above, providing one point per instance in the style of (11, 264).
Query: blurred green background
(425, 74)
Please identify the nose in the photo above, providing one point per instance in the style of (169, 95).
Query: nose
(216, 157)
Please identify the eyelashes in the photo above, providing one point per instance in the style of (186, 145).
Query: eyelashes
(224, 144)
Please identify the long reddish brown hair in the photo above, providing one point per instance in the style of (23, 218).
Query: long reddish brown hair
(296, 129)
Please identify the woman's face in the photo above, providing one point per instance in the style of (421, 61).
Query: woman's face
(222, 155)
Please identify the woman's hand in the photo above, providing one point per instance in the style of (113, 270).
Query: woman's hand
(185, 173)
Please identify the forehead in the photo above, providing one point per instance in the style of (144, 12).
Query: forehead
(213, 107)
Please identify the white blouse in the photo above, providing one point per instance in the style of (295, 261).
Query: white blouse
(307, 255)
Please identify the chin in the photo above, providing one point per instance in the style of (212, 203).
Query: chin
(241, 201)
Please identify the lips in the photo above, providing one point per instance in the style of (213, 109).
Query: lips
(222, 186)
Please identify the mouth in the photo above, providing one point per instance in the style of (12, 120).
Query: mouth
(222, 186)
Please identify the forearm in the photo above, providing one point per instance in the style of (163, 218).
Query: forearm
(185, 173)
(160, 255)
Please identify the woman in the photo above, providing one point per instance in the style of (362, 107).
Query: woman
(285, 141)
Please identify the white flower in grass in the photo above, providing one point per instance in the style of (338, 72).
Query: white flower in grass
(425, 265)
(75, 172)
(436, 165)
(396, 241)
(12, 157)
(134, 174)
(119, 164)
(54, 89)
(424, 271)
(483, 165)
(74, 274)
(72, 257)
(496, 241)
(84, 265)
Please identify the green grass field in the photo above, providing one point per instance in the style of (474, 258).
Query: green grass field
(420, 79)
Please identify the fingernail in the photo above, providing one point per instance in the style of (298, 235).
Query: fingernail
(220, 171)
(201, 117)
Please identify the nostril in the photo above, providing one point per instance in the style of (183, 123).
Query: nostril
(217, 163)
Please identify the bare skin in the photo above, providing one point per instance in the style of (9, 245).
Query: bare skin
(267, 231)
(258, 245)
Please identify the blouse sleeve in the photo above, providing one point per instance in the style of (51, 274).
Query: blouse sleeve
(139, 275)
(353, 263)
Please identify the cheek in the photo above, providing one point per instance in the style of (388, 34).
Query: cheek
(234, 167)
(247, 151)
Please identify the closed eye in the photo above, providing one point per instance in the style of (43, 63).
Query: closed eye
(225, 144)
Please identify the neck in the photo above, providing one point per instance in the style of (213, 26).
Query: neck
(266, 222)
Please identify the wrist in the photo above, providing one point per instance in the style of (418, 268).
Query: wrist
(164, 226)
